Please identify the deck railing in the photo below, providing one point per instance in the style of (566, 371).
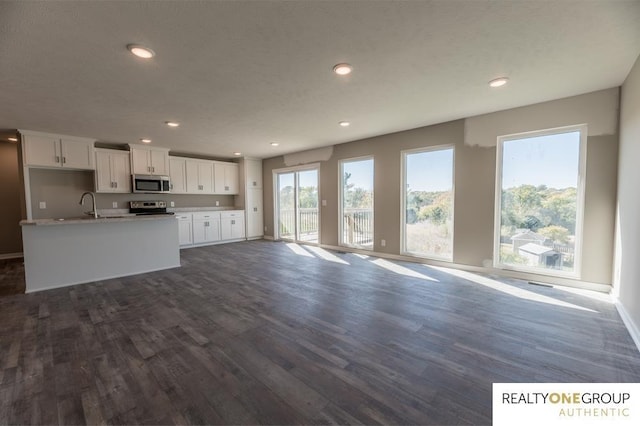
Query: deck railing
(357, 225)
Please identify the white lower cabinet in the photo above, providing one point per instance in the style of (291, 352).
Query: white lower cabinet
(232, 225)
(185, 229)
(210, 227)
(206, 227)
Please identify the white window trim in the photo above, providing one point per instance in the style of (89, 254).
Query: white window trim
(276, 206)
(580, 194)
(341, 205)
(403, 200)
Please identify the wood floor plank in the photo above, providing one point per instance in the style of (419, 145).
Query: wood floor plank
(252, 333)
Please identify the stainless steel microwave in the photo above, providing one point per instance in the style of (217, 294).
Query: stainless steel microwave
(150, 184)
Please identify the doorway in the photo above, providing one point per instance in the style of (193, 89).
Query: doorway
(297, 213)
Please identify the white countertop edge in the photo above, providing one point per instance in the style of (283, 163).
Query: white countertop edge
(91, 221)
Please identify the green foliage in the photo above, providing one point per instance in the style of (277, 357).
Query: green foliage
(534, 208)
(356, 197)
(556, 233)
(507, 256)
(435, 207)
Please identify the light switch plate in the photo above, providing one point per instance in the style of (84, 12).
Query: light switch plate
(114, 205)
(383, 243)
(324, 203)
(173, 204)
(217, 203)
(43, 204)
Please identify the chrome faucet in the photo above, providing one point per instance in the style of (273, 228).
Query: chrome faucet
(93, 199)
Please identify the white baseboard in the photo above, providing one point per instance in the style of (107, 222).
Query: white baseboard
(631, 326)
(11, 256)
(268, 237)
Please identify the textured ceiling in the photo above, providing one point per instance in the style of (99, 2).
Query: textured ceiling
(238, 75)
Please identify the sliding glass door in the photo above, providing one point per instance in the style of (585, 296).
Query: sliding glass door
(297, 205)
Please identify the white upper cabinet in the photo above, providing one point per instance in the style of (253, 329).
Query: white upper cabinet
(199, 176)
(50, 150)
(113, 171)
(146, 160)
(253, 173)
(226, 178)
(178, 174)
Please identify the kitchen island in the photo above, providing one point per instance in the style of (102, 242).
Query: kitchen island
(63, 252)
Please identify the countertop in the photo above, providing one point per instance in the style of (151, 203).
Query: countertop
(90, 220)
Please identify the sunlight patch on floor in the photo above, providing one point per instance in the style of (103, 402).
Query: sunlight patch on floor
(393, 267)
(361, 256)
(298, 250)
(324, 254)
(510, 289)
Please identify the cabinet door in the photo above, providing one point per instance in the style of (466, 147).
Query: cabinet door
(140, 162)
(218, 178)
(231, 178)
(104, 183)
(200, 231)
(159, 162)
(185, 231)
(178, 175)
(205, 177)
(237, 228)
(77, 154)
(42, 151)
(191, 167)
(253, 173)
(213, 230)
(254, 213)
(121, 172)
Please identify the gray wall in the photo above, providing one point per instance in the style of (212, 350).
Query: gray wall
(62, 189)
(627, 267)
(10, 190)
(475, 142)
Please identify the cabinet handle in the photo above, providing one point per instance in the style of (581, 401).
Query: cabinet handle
(115, 184)
(57, 159)
(255, 209)
(153, 169)
(64, 160)
(233, 222)
(111, 185)
(226, 188)
(255, 183)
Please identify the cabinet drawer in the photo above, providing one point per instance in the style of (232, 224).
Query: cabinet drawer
(232, 214)
(186, 217)
(206, 215)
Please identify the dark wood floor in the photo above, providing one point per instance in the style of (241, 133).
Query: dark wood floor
(252, 332)
(11, 277)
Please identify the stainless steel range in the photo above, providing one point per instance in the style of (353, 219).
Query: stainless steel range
(148, 207)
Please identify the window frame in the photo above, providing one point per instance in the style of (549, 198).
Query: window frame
(580, 201)
(341, 202)
(403, 199)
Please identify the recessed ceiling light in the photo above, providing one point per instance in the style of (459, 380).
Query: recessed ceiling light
(237, 154)
(144, 140)
(344, 123)
(13, 139)
(274, 144)
(342, 69)
(141, 51)
(172, 123)
(499, 82)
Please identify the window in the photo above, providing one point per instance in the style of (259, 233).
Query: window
(296, 204)
(356, 203)
(427, 228)
(539, 201)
